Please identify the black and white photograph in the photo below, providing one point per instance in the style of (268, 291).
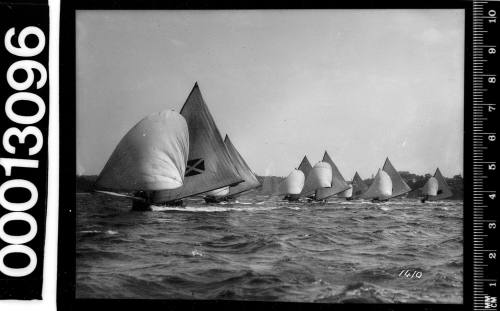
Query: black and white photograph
(270, 155)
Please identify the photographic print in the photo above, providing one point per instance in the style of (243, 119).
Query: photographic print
(270, 155)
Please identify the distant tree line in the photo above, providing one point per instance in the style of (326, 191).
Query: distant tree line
(270, 184)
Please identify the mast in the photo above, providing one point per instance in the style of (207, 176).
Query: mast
(209, 165)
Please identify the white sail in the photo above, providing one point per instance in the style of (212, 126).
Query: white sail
(381, 187)
(431, 187)
(218, 193)
(294, 182)
(346, 193)
(319, 177)
(151, 156)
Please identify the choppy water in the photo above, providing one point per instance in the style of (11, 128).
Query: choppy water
(262, 248)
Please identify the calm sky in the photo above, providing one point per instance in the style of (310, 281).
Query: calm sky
(361, 84)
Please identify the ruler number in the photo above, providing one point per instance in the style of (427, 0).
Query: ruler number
(492, 167)
(492, 196)
(492, 255)
(491, 108)
(493, 14)
(492, 51)
(492, 80)
(492, 225)
(492, 137)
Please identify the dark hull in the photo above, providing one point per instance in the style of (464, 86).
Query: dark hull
(292, 197)
(144, 206)
(214, 200)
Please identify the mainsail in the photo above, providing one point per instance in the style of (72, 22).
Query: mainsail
(338, 181)
(151, 156)
(358, 186)
(243, 170)
(209, 165)
(306, 167)
(399, 186)
(381, 187)
(319, 177)
(444, 190)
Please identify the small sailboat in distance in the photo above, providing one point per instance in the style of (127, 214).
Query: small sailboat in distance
(399, 186)
(320, 176)
(388, 184)
(209, 166)
(338, 183)
(151, 157)
(294, 183)
(380, 189)
(250, 180)
(358, 186)
(436, 188)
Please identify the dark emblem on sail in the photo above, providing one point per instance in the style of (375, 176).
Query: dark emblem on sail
(194, 167)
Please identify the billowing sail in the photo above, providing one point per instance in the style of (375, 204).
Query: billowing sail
(346, 193)
(306, 167)
(209, 165)
(399, 186)
(218, 193)
(381, 187)
(151, 156)
(243, 170)
(293, 183)
(444, 190)
(319, 177)
(338, 181)
(358, 186)
(431, 187)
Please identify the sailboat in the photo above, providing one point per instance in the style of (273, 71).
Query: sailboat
(338, 183)
(152, 156)
(358, 186)
(387, 184)
(319, 177)
(346, 194)
(208, 166)
(294, 183)
(436, 188)
(250, 180)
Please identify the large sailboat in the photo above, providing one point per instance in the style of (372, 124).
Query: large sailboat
(338, 183)
(206, 162)
(436, 188)
(250, 180)
(387, 184)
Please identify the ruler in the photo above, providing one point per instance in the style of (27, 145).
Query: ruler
(485, 50)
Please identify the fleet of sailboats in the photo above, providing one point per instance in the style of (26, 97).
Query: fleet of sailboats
(169, 156)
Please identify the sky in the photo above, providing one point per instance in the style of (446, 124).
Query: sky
(361, 84)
